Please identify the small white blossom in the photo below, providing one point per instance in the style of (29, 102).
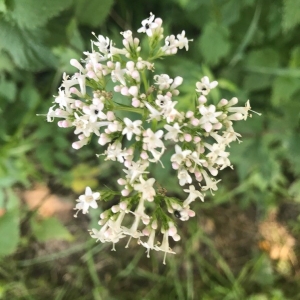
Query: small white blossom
(183, 42)
(164, 247)
(209, 116)
(180, 155)
(205, 85)
(193, 194)
(87, 200)
(135, 169)
(131, 128)
(163, 81)
(115, 152)
(148, 25)
(146, 188)
(173, 132)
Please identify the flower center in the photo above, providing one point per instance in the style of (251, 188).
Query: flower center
(89, 198)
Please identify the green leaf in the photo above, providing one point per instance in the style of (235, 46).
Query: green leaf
(49, 229)
(256, 82)
(27, 48)
(2, 6)
(214, 43)
(30, 96)
(295, 58)
(64, 56)
(231, 12)
(74, 36)
(291, 14)
(5, 62)
(30, 14)
(92, 12)
(9, 232)
(292, 146)
(294, 190)
(266, 57)
(8, 90)
(283, 89)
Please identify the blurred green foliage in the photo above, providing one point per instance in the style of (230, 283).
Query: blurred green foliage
(252, 49)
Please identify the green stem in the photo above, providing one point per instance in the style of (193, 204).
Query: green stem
(128, 108)
(145, 82)
(154, 125)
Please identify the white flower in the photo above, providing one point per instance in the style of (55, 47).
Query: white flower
(209, 116)
(115, 152)
(135, 170)
(63, 100)
(170, 46)
(146, 188)
(165, 246)
(99, 235)
(104, 44)
(242, 110)
(180, 155)
(193, 194)
(111, 231)
(118, 74)
(154, 113)
(184, 213)
(94, 112)
(183, 41)
(150, 243)
(51, 114)
(216, 151)
(139, 214)
(173, 132)
(205, 86)
(184, 177)
(163, 81)
(81, 124)
(211, 184)
(230, 135)
(131, 128)
(87, 200)
(163, 101)
(153, 140)
(148, 25)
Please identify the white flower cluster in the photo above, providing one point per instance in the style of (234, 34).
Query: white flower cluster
(200, 136)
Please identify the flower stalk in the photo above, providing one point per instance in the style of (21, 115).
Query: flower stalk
(200, 137)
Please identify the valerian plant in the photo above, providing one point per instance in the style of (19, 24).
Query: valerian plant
(200, 137)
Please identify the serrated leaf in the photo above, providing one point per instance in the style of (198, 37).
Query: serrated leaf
(27, 48)
(30, 14)
(214, 43)
(92, 12)
(49, 229)
(283, 89)
(9, 232)
(291, 14)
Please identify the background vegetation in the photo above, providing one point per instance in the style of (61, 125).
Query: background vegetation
(242, 243)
